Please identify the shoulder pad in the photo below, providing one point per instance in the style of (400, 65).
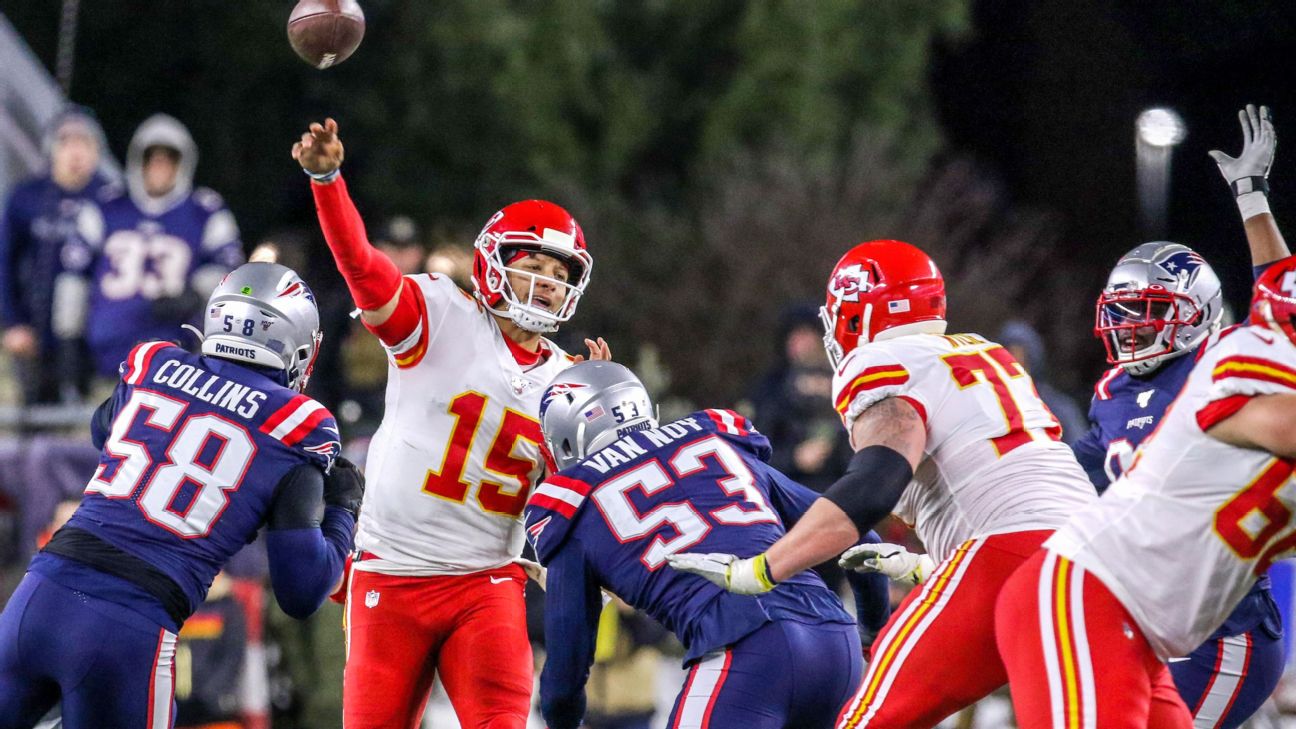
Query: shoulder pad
(1102, 388)
(550, 512)
(738, 429)
(140, 360)
(304, 424)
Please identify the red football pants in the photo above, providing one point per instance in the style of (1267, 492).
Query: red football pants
(937, 653)
(1075, 657)
(402, 630)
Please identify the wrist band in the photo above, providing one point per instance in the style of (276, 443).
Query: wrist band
(1252, 204)
(324, 178)
(1244, 185)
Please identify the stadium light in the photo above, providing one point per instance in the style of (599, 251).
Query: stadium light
(1161, 127)
(1157, 131)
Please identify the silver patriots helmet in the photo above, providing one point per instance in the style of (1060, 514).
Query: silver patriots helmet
(1161, 300)
(264, 314)
(589, 406)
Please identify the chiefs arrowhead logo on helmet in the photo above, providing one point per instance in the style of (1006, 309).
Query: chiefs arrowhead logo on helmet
(848, 282)
(879, 289)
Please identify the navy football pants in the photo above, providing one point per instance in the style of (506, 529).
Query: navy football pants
(110, 666)
(786, 674)
(1226, 679)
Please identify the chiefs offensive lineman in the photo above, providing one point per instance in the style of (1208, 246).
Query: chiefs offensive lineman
(949, 434)
(434, 587)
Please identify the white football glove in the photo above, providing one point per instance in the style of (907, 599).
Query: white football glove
(892, 560)
(534, 570)
(1247, 172)
(741, 576)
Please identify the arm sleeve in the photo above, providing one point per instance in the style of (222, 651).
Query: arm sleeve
(1092, 455)
(371, 276)
(306, 558)
(789, 498)
(104, 415)
(572, 607)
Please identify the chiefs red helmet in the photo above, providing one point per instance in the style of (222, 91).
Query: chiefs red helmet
(878, 290)
(1274, 302)
(530, 226)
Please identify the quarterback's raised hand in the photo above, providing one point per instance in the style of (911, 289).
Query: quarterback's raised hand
(1248, 171)
(319, 151)
(741, 576)
(892, 560)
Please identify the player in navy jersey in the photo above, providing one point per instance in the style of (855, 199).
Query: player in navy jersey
(1161, 307)
(199, 452)
(631, 493)
(161, 246)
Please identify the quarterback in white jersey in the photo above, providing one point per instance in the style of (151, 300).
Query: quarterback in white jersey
(434, 589)
(1152, 568)
(950, 435)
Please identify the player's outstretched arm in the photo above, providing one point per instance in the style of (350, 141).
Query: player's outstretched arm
(572, 607)
(1247, 176)
(372, 277)
(307, 552)
(1266, 422)
(889, 438)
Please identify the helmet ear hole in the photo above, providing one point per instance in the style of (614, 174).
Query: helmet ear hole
(567, 449)
(853, 325)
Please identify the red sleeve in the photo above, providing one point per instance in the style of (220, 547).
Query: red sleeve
(405, 332)
(1219, 410)
(370, 275)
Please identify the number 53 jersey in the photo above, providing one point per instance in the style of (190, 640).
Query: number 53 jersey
(1183, 534)
(458, 450)
(993, 463)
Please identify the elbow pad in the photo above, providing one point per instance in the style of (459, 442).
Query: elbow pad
(298, 500)
(871, 486)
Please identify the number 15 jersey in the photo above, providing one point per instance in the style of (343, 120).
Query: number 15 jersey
(458, 450)
(993, 463)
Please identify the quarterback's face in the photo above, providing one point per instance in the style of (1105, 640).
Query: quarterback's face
(532, 279)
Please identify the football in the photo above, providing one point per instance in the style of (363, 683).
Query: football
(326, 32)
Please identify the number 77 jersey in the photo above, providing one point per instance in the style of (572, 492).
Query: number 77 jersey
(993, 463)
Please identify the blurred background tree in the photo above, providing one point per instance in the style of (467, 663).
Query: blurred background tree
(720, 154)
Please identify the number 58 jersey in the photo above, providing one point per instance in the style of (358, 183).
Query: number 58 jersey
(993, 463)
(453, 462)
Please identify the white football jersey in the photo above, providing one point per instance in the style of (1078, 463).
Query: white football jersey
(1182, 535)
(993, 463)
(458, 451)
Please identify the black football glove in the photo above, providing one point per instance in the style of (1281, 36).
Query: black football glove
(344, 486)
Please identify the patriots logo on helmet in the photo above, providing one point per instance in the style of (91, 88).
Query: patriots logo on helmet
(560, 388)
(298, 288)
(849, 282)
(1184, 264)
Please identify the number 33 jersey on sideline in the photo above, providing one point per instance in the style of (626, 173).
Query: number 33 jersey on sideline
(451, 466)
(993, 463)
(1180, 538)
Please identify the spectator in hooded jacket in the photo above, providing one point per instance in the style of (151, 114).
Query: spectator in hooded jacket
(163, 246)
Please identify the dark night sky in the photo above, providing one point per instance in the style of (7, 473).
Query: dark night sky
(1046, 94)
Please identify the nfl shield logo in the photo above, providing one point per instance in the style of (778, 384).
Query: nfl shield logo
(371, 598)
